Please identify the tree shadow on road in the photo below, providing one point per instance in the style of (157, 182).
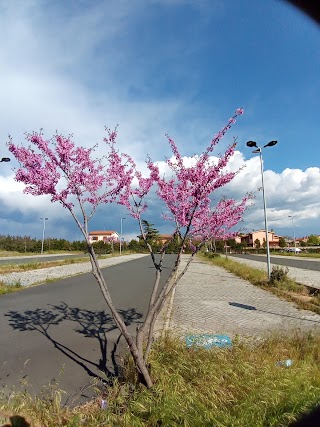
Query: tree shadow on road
(90, 324)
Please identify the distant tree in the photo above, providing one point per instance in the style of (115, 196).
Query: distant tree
(219, 245)
(134, 245)
(151, 233)
(313, 240)
(173, 246)
(101, 247)
(264, 243)
(257, 244)
(232, 243)
(303, 243)
(282, 242)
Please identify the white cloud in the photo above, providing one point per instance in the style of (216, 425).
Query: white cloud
(66, 69)
(290, 192)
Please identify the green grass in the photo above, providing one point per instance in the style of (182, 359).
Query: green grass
(237, 387)
(254, 275)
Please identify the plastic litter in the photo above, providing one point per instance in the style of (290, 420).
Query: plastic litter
(208, 341)
(287, 363)
(104, 404)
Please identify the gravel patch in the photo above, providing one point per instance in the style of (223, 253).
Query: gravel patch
(31, 277)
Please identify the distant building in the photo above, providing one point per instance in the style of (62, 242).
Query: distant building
(104, 236)
(161, 238)
(250, 239)
(302, 240)
(164, 238)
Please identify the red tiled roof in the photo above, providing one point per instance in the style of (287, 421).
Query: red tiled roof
(102, 233)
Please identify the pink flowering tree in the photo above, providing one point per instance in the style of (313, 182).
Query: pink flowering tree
(186, 195)
(72, 176)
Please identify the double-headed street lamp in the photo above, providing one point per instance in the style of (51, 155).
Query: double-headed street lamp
(259, 150)
(43, 231)
(121, 219)
(294, 232)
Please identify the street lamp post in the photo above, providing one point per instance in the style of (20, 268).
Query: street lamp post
(121, 219)
(294, 232)
(5, 159)
(43, 231)
(259, 150)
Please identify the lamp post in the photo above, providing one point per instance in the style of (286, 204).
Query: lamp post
(43, 231)
(259, 150)
(5, 159)
(121, 219)
(294, 232)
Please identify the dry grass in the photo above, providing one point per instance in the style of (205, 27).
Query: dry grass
(9, 254)
(7, 289)
(12, 268)
(238, 387)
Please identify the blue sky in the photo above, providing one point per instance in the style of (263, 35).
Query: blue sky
(165, 66)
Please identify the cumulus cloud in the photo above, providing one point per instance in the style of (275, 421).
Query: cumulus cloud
(69, 69)
(290, 192)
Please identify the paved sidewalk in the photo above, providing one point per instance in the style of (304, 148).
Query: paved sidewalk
(210, 299)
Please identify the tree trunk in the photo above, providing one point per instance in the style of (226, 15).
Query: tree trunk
(134, 350)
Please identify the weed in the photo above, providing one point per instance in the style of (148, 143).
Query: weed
(278, 274)
(241, 386)
(7, 289)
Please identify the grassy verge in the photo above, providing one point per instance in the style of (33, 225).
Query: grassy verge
(238, 387)
(10, 254)
(17, 268)
(7, 289)
(305, 298)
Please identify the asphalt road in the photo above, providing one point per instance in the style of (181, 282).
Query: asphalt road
(63, 333)
(286, 261)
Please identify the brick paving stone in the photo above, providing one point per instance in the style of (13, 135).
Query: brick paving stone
(211, 299)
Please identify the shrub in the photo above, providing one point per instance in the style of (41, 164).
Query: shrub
(279, 275)
(211, 255)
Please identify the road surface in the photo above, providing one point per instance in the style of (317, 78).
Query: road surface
(62, 332)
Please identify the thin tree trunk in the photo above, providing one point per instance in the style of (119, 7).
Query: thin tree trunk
(154, 310)
(141, 331)
(137, 356)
